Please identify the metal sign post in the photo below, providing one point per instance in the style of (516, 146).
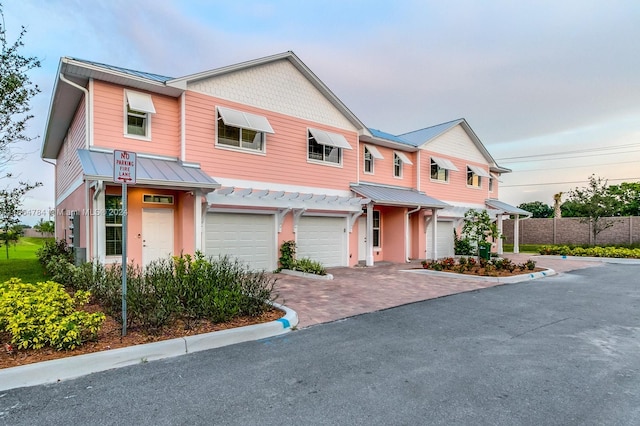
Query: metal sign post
(124, 171)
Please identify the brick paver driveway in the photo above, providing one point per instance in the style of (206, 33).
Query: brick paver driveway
(357, 290)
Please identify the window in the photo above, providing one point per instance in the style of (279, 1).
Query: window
(322, 152)
(439, 173)
(376, 228)
(242, 129)
(397, 165)
(139, 107)
(157, 199)
(491, 184)
(113, 224)
(368, 161)
(473, 179)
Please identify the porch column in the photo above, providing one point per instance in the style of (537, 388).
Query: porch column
(434, 234)
(516, 235)
(499, 218)
(197, 212)
(369, 255)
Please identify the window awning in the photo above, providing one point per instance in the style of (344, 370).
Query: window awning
(140, 102)
(403, 157)
(479, 171)
(374, 152)
(395, 196)
(245, 120)
(149, 171)
(443, 163)
(329, 139)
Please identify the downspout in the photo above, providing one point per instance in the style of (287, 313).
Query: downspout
(99, 189)
(406, 232)
(86, 146)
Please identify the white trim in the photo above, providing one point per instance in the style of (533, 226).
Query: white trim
(325, 138)
(125, 121)
(183, 129)
(139, 101)
(248, 211)
(403, 157)
(374, 152)
(89, 122)
(245, 120)
(260, 185)
(443, 163)
(75, 185)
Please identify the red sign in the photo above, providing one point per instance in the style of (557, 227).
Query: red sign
(124, 167)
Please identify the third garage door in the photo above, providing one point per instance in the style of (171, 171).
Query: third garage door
(323, 239)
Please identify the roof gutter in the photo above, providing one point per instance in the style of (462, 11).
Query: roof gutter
(86, 108)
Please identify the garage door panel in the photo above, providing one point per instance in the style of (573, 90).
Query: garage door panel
(247, 237)
(322, 239)
(444, 240)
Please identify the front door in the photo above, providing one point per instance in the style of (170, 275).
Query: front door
(157, 234)
(362, 239)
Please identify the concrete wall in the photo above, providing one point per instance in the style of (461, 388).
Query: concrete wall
(569, 230)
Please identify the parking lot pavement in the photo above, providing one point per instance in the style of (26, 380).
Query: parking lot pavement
(360, 290)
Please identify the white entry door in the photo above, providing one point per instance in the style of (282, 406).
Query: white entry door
(362, 239)
(157, 234)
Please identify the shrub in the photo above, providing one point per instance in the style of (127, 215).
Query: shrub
(463, 247)
(287, 255)
(54, 249)
(530, 265)
(448, 263)
(44, 314)
(309, 266)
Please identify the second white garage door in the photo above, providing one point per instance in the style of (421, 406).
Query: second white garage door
(248, 237)
(444, 240)
(323, 239)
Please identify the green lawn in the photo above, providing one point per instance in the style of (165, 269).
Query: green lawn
(22, 262)
(524, 248)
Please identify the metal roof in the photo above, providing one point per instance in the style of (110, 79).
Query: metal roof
(390, 195)
(150, 171)
(419, 137)
(388, 136)
(134, 73)
(506, 208)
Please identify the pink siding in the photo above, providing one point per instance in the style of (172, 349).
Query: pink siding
(383, 169)
(286, 150)
(74, 202)
(392, 234)
(68, 168)
(456, 189)
(109, 120)
(418, 236)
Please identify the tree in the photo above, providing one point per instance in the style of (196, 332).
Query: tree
(538, 209)
(595, 204)
(478, 226)
(45, 227)
(16, 90)
(10, 210)
(627, 195)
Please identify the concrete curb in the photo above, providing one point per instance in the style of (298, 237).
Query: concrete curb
(72, 367)
(306, 275)
(617, 260)
(499, 280)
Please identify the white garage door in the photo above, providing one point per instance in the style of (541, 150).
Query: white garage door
(444, 240)
(248, 237)
(323, 239)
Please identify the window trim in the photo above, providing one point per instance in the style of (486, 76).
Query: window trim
(220, 119)
(473, 174)
(112, 225)
(374, 229)
(158, 202)
(144, 110)
(438, 169)
(323, 161)
(368, 157)
(397, 166)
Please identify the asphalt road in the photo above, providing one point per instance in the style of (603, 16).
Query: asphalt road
(564, 350)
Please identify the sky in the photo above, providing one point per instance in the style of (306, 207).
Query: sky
(551, 88)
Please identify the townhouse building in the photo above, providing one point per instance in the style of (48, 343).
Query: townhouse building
(237, 160)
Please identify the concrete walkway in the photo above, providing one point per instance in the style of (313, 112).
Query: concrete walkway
(356, 291)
